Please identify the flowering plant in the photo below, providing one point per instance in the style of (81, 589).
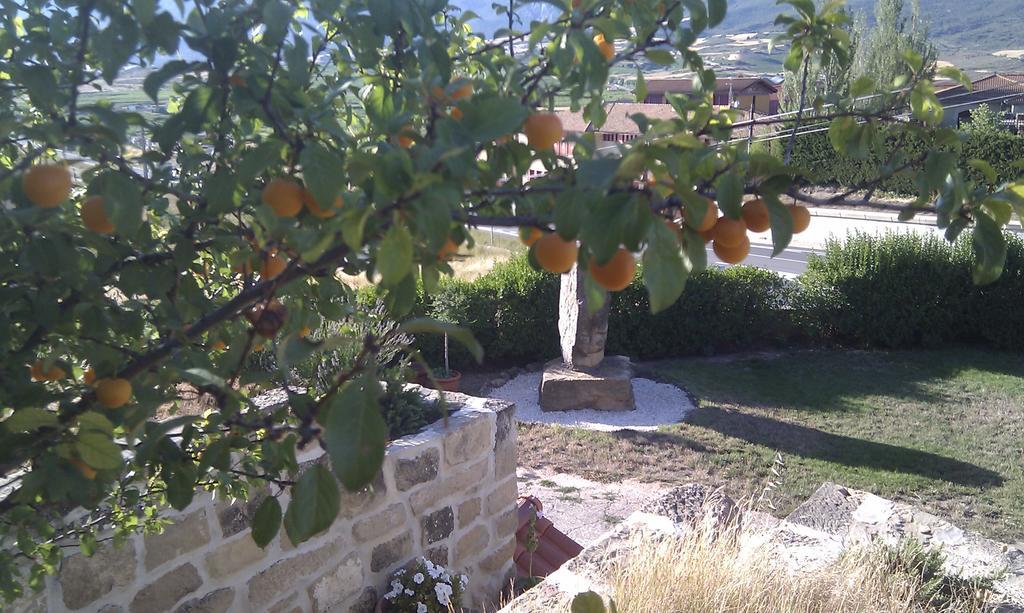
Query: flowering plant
(425, 587)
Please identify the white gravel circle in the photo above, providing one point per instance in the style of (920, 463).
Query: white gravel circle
(657, 404)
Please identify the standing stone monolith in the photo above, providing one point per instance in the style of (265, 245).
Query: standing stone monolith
(584, 378)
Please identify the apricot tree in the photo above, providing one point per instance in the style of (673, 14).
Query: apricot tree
(149, 248)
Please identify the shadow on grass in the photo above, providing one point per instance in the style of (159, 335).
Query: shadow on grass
(808, 442)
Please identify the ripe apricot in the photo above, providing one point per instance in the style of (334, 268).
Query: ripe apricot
(606, 48)
(729, 232)
(755, 215)
(218, 345)
(267, 319)
(40, 373)
(304, 331)
(89, 375)
(113, 393)
(447, 250)
(94, 216)
(47, 185)
(314, 208)
(617, 273)
(543, 130)
(284, 196)
(462, 92)
(87, 471)
(456, 114)
(529, 235)
(732, 255)
(405, 137)
(273, 265)
(801, 217)
(554, 254)
(710, 217)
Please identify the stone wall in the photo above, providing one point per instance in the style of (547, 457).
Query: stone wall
(447, 493)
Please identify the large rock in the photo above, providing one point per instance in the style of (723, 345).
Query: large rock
(583, 333)
(608, 387)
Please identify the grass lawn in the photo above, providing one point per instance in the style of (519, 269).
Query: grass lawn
(943, 430)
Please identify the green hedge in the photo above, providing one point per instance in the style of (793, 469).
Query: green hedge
(894, 291)
(814, 155)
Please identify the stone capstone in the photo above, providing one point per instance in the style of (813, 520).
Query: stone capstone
(437, 525)
(166, 590)
(694, 504)
(413, 471)
(389, 553)
(337, 585)
(467, 438)
(83, 580)
(608, 387)
(583, 333)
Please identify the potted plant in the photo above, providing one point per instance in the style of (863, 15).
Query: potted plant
(449, 307)
(424, 587)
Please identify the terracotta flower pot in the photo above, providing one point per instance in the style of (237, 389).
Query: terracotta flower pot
(450, 383)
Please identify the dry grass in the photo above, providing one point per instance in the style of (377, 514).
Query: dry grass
(699, 574)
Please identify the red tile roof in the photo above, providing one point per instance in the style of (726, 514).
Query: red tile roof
(554, 548)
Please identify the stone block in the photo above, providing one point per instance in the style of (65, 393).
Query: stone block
(190, 532)
(500, 558)
(337, 585)
(284, 574)
(606, 387)
(470, 545)
(288, 604)
(410, 472)
(582, 330)
(503, 497)
(233, 556)
(217, 601)
(365, 500)
(468, 437)
(366, 602)
(468, 511)
(233, 518)
(437, 555)
(462, 480)
(506, 524)
(378, 524)
(504, 421)
(84, 580)
(505, 458)
(389, 553)
(107, 608)
(169, 588)
(437, 525)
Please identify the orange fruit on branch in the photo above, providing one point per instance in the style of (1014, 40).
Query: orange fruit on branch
(734, 254)
(113, 393)
(447, 250)
(462, 92)
(87, 471)
(456, 114)
(273, 265)
(267, 319)
(543, 130)
(606, 48)
(89, 376)
(705, 224)
(39, 372)
(529, 235)
(555, 254)
(755, 215)
(617, 273)
(46, 185)
(801, 217)
(729, 232)
(314, 208)
(94, 216)
(284, 196)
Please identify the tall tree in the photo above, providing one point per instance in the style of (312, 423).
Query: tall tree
(897, 30)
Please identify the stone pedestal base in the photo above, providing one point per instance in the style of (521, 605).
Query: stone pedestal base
(607, 387)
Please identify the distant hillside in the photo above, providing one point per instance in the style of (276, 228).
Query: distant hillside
(966, 32)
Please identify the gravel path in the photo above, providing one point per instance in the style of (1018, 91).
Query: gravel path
(657, 404)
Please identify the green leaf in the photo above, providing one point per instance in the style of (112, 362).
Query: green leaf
(569, 212)
(204, 378)
(664, 273)
(426, 325)
(489, 116)
(640, 90)
(661, 57)
(394, 255)
(729, 193)
(156, 79)
(716, 12)
(695, 251)
(181, 485)
(124, 201)
(323, 172)
(588, 602)
(222, 193)
(98, 450)
(989, 246)
(782, 224)
(29, 419)
(985, 169)
(355, 434)
(95, 422)
(314, 505)
(266, 522)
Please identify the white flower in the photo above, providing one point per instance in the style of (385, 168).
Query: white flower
(409, 592)
(418, 578)
(463, 581)
(435, 571)
(444, 593)
(421, 608)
